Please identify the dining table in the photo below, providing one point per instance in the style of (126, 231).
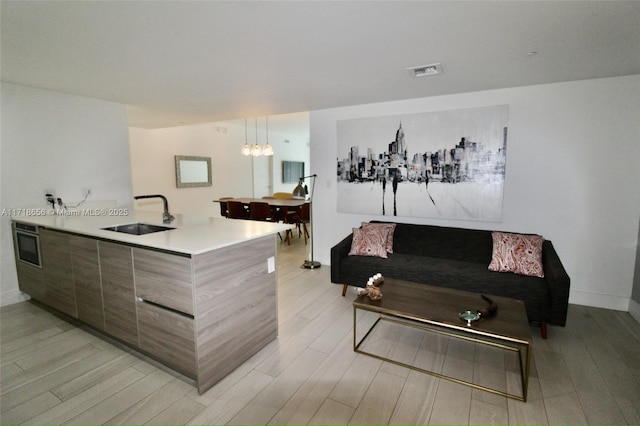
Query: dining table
(286, 205)
(273, 202)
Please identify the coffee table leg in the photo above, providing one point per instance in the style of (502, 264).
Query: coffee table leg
(524, 372)
(356, 343)
(524, 365)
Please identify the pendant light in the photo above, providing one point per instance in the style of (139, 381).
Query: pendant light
(267, 151)
(246, 149)
(256, 151)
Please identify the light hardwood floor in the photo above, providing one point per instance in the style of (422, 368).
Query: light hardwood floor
(56, 372)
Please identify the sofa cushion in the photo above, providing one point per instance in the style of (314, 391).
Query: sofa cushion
(389, 226)
(521, 254)
(370, 241)
(444, 243)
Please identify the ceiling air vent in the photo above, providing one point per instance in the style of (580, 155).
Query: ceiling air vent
(425, 70)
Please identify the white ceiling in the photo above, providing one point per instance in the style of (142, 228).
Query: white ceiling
(183, 62)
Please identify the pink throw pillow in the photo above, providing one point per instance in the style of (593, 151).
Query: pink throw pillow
(517, 253)
(390, 226)
(369, 242)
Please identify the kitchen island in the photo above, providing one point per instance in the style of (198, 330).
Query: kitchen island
(200, 297)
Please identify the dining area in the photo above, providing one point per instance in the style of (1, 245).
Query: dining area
(280, 207)
(292, 208)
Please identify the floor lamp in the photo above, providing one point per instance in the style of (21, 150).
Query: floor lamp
(300, 192)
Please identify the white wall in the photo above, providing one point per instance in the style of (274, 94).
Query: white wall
(634, 305)
(572, 175)
(54, 141)
(153, 166)
(289, 144)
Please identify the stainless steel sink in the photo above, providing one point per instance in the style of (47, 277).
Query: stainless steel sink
(138, 228)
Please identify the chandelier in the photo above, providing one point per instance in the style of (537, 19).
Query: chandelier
(256, 150)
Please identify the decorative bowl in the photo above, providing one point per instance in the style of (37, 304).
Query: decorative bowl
(469, 316)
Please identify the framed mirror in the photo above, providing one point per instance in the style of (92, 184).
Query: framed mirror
(192, 172)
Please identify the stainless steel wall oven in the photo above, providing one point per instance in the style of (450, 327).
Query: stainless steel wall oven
(27, 244)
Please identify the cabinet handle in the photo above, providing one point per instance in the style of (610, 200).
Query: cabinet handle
(166, 308)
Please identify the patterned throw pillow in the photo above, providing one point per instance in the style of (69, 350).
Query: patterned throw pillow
(390, 226)
(517, 253)
(369, 242)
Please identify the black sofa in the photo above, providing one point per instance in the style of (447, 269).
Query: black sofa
(458, 258)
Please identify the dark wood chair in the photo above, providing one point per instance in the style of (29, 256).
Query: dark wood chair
(224, 210)
(301, 218)
(237, 210)
(261, 211)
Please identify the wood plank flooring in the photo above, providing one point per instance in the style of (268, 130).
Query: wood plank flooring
(52, 371)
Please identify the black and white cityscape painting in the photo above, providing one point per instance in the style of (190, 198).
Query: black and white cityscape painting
(445, 164)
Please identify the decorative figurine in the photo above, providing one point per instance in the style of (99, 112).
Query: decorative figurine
(373, 292)
(490, 310)
(371, 289)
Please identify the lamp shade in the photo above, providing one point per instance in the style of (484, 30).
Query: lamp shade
(256, 151)
(268, 149)
(299, 192)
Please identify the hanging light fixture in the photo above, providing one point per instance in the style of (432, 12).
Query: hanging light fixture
(256, 151)
(246, 149)
(267, 151)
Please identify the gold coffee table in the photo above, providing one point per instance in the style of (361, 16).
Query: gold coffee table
(436, 309)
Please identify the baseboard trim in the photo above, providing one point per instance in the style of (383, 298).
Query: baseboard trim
(634, 309)
(599, 300)
(12, 296)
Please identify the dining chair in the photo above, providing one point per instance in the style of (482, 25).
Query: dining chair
(237, 210)
(224, 210)
(283, 195)
(278, 212)
(261, 211)
(301, 218)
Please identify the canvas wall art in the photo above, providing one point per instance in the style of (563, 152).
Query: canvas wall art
(444, 164)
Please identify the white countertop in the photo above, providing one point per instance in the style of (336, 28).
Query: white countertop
(192, 234)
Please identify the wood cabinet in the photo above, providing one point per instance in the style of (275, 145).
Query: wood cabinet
(168, 336)
(164, 279)
(236, 302)
(116, 266)
(86, 279)
(57, 269)
(164, 294)
(202, 315)
(31, 280)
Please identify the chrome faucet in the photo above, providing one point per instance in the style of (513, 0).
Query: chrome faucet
(166, 216)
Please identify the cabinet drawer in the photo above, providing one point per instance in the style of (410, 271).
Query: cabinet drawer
(164, 279)
(168, 336)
